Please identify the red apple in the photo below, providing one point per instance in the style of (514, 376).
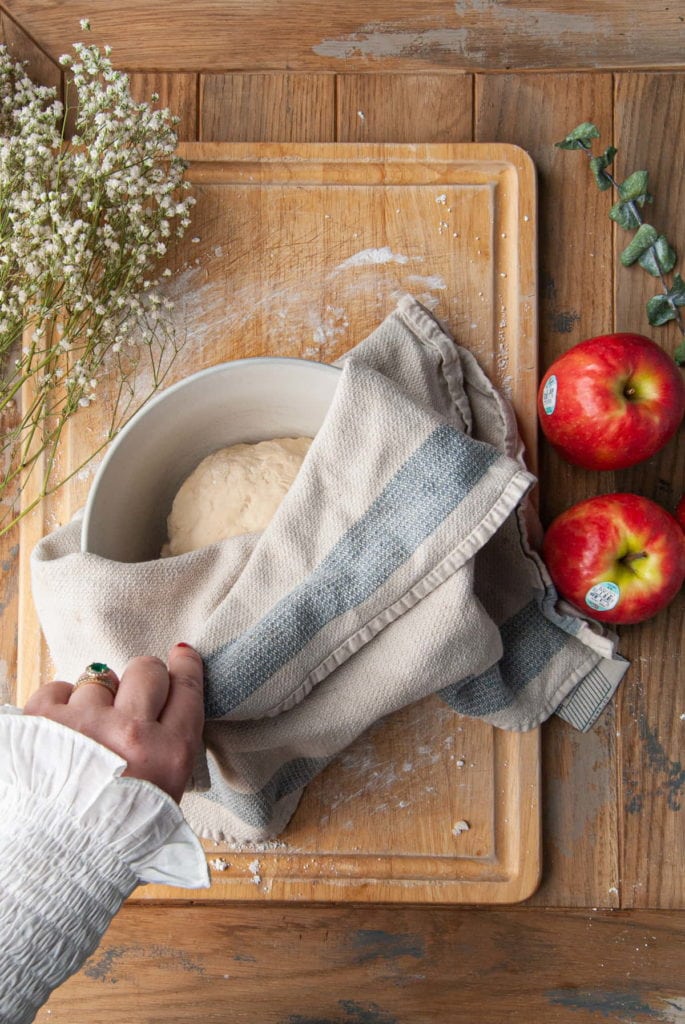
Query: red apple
(611, 401)
(618, 558)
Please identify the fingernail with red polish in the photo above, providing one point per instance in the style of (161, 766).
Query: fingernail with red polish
(183, 645)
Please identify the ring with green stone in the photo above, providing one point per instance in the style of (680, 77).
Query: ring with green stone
(100, 673)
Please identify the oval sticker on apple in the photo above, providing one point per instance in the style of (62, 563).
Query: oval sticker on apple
(603, 596)
(549, 395)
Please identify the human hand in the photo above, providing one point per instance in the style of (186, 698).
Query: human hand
(153, 719)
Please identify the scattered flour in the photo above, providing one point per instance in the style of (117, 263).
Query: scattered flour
(331, 327)
(90, 469)
(434, 281)
(205, 314)
(366, 257)
(459, 827)
(264, 846)
(219, 864)
(428, 300)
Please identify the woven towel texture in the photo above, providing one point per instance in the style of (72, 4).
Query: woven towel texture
(398, 565)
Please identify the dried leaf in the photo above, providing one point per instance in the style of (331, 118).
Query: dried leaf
(676, 292)
(580, 138)
(644, 237)
(634, 187)
(599, 164)
(659, 258)
(625, 215)
(660, 310)
(679, 354)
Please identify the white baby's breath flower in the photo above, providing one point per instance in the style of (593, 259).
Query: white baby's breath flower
(81, 230)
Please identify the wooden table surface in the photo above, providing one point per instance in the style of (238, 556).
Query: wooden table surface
(602, 939)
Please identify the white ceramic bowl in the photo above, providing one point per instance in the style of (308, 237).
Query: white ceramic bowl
(243, 401)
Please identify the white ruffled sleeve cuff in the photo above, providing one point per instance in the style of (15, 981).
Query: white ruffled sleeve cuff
(135, 820)
(75, 840)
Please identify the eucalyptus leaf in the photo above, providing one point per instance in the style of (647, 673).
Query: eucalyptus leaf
(679, 354)
(635, 186)
(660, 310)
(608, 155)
(659, 258)
(644, 237)
(625, 215)
(676, 292)
(580, 138)
(599, 164)
(648, 248)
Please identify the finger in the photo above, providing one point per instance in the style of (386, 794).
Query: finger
(89, 693)
(144, 688)
(184, 711)
(48, 696)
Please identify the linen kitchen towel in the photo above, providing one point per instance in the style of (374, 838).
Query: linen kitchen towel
(399, 564)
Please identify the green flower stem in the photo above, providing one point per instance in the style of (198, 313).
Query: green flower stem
(49, 487)
(635, 210)
(82, 229)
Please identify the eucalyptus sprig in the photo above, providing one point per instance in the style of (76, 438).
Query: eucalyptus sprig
(648, 248)
(83, 227)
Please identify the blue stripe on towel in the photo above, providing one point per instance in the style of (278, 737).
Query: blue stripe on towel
(425, 490)
(257, 809)
(529, 643)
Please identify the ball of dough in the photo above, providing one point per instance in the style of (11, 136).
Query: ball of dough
(234, 490)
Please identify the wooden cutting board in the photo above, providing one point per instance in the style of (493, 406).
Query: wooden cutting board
(301, 250)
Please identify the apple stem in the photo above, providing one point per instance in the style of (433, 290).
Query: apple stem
(633, 556)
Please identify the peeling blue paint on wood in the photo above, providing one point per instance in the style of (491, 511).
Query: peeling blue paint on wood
(11, 577)
(354, 1013)
(372, 944)
(13, 555)
(563, 321)
(470, 32)
(659, 761)
(102, 965)
(669, 775)
(628, 1007)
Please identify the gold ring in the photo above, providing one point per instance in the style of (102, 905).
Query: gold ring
(98, 673)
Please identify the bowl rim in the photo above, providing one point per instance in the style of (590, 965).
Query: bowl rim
(161, 396)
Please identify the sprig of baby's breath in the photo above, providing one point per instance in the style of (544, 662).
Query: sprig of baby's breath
(83, 227)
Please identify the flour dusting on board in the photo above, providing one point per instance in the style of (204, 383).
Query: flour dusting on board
(206, 312)
(372, 256)
(432, 282)
(376, 773)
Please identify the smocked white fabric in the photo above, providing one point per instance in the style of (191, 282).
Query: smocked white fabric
(75, 840)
